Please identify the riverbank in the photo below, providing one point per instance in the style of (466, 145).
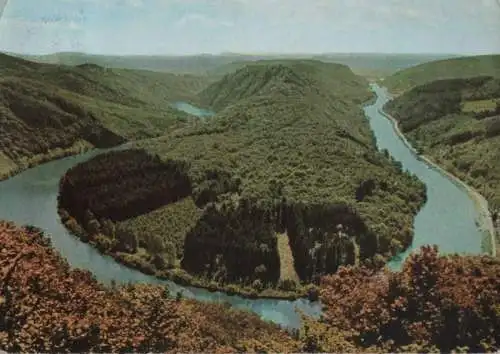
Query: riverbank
(10, 168)
(181, 277)
(284, 290)
(485, 220)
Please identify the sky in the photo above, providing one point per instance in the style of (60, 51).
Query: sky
(169, 27)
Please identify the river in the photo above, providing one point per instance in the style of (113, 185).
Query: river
(447, 219)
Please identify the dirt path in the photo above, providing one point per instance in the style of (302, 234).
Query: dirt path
(287, 267)
(485, 220)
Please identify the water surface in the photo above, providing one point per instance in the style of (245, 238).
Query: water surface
(193, 110)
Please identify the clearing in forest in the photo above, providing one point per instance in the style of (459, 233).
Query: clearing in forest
(287, 268)
(480, 105)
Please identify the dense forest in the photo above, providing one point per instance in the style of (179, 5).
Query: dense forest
(454, 68)
(47, 111)
(289, 151)
(457, 123)
(435, 303)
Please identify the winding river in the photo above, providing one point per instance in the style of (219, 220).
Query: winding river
(447, 220)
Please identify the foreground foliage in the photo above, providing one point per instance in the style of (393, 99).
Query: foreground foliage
(289, 150)
(46, 307)
(435, 303)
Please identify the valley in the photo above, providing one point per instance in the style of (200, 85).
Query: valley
(50, 111)
(275, 185)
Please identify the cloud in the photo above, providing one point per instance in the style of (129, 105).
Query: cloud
(104, 3)
(18, 35)
(3, 3)
(133, 3)
(197, 19)
(33, 26)
(179, 26)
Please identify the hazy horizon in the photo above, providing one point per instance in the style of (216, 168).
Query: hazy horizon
(251, 27)
(247, 54)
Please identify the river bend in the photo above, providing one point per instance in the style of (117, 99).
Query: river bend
(447, 219)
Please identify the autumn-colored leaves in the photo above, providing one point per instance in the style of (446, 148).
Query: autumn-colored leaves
(435, 303)
(46, 307)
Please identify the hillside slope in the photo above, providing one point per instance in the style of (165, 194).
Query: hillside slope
(49, 110)
(464, 67)
(289, 151)
(450, 120)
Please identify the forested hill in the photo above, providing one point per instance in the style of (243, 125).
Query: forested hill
(290, 151)
(285, 77)
(52, 109)
(277, 94)
(463, 67)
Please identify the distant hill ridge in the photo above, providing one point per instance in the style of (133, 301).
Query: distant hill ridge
(455, 68)
(215, 65)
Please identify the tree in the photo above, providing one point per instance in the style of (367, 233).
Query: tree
(435, 303)
(126, 239)
(155, 244)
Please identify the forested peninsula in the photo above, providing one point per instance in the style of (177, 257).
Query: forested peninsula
(287, 168)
